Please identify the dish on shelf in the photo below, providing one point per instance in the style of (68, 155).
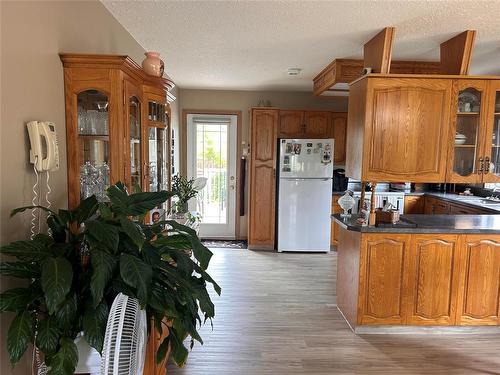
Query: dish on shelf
(467, 102)
(460, 139)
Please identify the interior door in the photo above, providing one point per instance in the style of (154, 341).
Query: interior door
(211, 150)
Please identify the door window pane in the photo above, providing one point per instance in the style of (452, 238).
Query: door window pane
(211, 162)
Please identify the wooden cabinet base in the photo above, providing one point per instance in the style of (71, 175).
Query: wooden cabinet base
(395, 279)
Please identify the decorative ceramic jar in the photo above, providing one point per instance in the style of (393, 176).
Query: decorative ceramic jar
(346, 202)
(152, 64)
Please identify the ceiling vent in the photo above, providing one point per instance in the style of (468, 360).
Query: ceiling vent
(294, 71)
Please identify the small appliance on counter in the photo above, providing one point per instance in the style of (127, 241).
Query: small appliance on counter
(340, 181)
(305, 169)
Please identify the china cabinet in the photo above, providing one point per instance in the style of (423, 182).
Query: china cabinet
(117, 126)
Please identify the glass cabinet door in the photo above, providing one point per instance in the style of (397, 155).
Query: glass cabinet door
(492, 153)
(466, 159)
(158, 168)
(93, 140)
(134, 108)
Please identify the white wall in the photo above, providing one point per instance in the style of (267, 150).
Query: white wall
(32, 87)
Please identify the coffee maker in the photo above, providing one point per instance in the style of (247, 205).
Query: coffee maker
(339, 180)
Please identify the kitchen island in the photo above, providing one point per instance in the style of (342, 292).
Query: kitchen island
(426, 270)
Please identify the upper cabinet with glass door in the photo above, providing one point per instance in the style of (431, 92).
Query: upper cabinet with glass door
(492, 139)
(468, 116)
(93, 143)
(105, 98)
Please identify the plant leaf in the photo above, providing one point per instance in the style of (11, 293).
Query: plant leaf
(29, 250)
(103, 265)
(58, 228)
(104, 211)
(105, 234)
(48, 333)
(140, 203)
(94, 325)
(57, 276)
(86, 209)
(137, 274)
(119, 198)
(200, 252)
(21, 270)
(179, 351)
(161, 352)
(66, 312)
(22, 209)
(66, 359)
(20, 333)
(15, 300)
(133, 230)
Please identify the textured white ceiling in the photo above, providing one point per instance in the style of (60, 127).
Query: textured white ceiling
(249, 45)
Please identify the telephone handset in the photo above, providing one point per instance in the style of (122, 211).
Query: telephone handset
(46, 130)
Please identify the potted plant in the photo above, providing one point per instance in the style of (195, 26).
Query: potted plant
(185, 189)
(93, 253)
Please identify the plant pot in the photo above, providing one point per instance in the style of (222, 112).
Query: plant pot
(89, 359)
(152, 64)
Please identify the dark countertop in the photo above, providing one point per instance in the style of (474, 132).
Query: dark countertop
(470, 201)
(473, 224)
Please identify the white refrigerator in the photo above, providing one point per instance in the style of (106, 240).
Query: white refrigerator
(305, 194)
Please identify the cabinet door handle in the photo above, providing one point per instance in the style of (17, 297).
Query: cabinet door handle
(481, 166)
(486, 165)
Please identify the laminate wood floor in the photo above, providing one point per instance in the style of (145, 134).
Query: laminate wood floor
(277, 315)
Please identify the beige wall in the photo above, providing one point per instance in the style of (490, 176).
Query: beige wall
(33, 33)
(191, 99)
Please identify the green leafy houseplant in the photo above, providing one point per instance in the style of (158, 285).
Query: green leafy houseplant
(95, 252)
(184, 189)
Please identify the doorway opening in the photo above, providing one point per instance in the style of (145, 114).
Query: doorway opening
(212, 145)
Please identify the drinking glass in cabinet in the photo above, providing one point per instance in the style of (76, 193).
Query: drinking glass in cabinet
(94, 180)
(92, 114)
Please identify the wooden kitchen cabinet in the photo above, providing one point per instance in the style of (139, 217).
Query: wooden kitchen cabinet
(317, 124)
(479, 297)
(313, 124)
(336, 209)
(339, 134)
(291, 124)
(384, 260)
(418, 279)
(432, 283)
(263, 137)
(435, 206)
(398, 129)
(414, 204)
(491, 149)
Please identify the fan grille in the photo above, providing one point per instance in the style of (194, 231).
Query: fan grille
(125, 339)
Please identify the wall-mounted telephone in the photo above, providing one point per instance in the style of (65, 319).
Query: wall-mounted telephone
(44, 151)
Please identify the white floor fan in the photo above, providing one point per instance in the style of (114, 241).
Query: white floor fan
(126, 336)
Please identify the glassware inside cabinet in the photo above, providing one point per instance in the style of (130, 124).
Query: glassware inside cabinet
(467, 131)
(157, 159)
(135, 142)
(93, 134)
